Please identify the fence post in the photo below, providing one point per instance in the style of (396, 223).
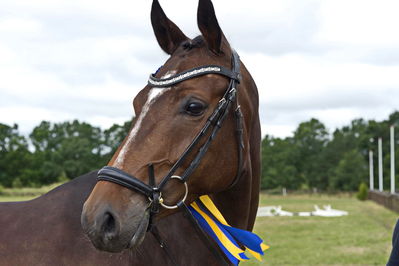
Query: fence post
(371, 167)
(392, 159)
(380, 173)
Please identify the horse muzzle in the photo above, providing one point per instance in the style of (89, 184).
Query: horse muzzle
(111, 232)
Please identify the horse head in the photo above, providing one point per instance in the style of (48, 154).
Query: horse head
(168, 119)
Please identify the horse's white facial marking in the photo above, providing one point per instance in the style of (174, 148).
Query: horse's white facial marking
(152, 96)
(154, 93)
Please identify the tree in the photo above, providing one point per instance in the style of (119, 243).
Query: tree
(67, 149)
(278, 164)
(313, 159)
(14, 154)
(113, 137)
(310, 139)
(350, 172)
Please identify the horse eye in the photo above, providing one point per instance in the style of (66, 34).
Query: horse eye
(195, 108)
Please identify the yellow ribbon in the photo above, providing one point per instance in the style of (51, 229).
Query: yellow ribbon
(230, 246)
(206, 200)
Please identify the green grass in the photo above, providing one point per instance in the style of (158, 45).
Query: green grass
(361, 238)
(15, 198)
(22, 194)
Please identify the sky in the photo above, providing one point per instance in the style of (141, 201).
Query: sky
(334, 60)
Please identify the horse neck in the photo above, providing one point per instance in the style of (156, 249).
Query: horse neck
(235, 203)
(239, 204)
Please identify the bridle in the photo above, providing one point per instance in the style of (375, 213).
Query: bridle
(154, 192)
(213, 124)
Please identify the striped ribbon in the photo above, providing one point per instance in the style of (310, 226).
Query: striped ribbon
(229, 239)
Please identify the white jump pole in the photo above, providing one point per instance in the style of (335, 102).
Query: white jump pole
(371, 170)
(392, 159)
(380, 185)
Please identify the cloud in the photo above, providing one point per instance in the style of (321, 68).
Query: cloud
(290, 29)
(388, 56)
(15, 25)
(333, 60)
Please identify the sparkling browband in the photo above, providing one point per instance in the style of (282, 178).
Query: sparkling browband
(155, 82)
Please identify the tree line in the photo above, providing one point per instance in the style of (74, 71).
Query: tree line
(55, 152)
(312, 158)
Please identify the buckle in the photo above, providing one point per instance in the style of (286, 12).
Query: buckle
(170, 207)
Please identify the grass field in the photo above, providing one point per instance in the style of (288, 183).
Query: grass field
(15, 198)
(22, 194)
(361, 238)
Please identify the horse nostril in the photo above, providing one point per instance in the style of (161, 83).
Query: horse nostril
(109, 226)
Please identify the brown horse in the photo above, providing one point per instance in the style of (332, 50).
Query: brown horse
(115, 217)
(47, 230)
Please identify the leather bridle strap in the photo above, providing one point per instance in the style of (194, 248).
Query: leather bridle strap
(115, 175)
(202, 235)
(191, 73)
(214, 121)
(162, 244)
(209, 242)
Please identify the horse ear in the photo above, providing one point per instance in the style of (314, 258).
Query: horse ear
(168, 35)
(209, 26)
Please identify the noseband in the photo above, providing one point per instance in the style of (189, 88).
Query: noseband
(212, 125)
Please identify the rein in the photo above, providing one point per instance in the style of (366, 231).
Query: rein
(212, 126)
